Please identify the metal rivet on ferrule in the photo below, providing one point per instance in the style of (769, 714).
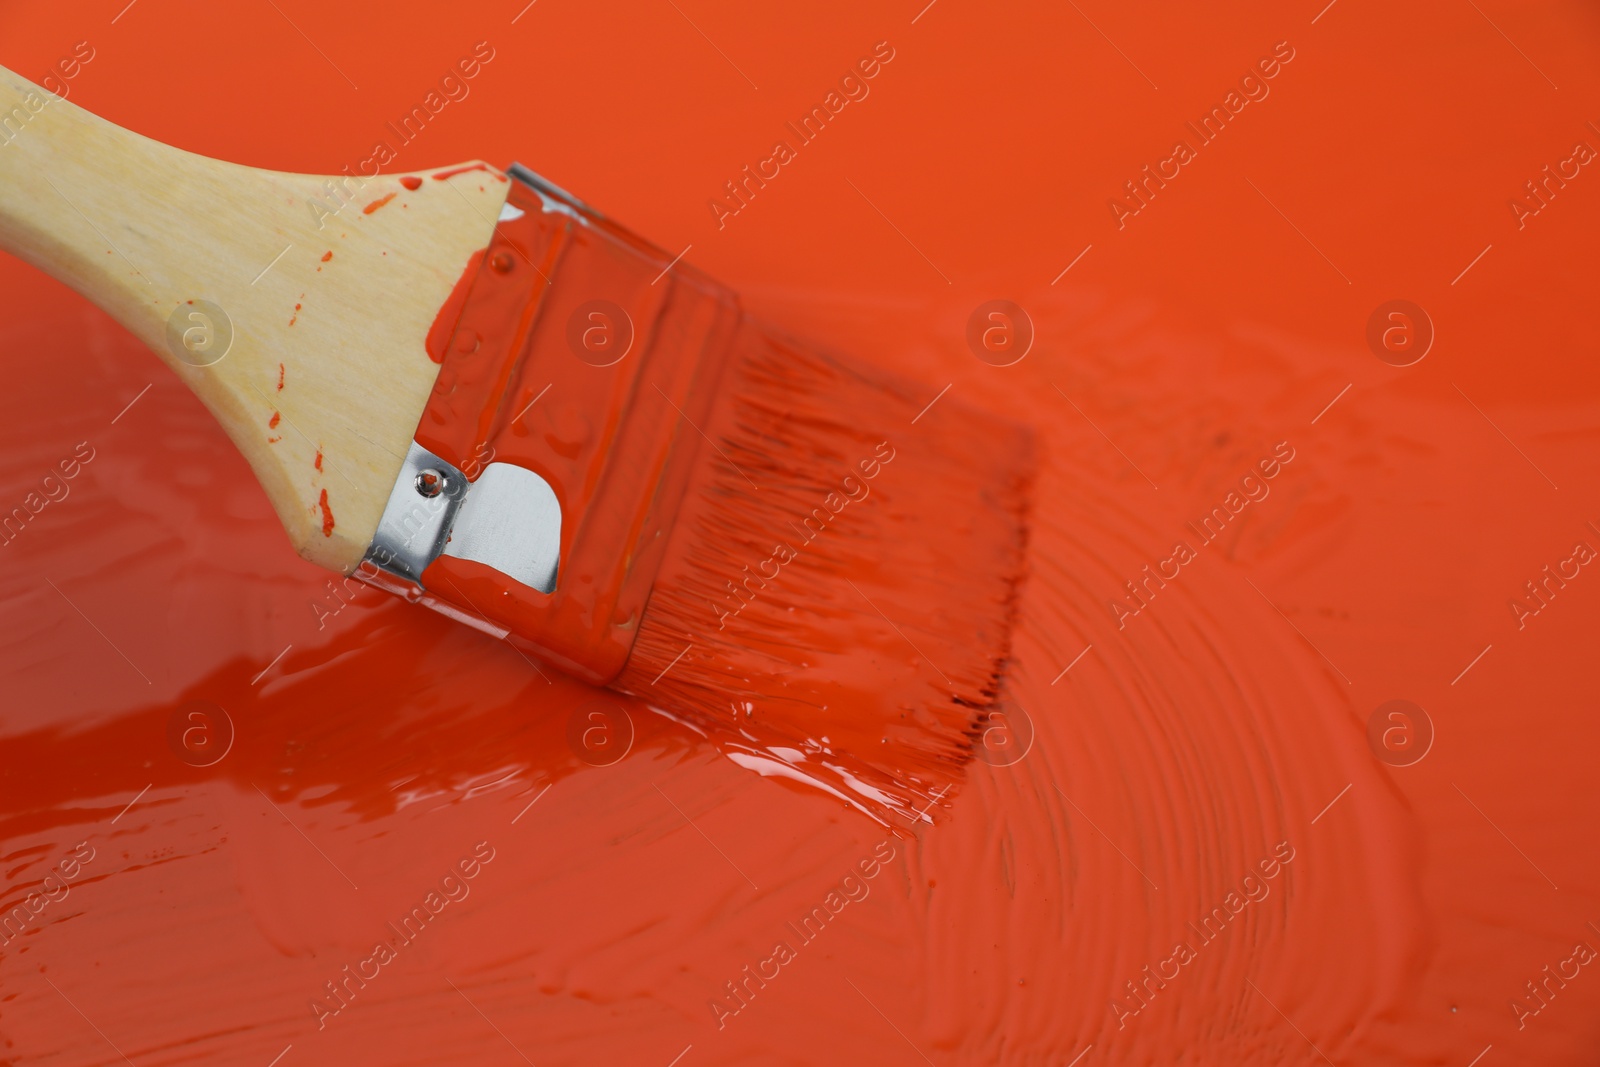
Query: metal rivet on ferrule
(430, 483)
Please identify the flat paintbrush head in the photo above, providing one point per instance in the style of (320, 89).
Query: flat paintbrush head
(837, 597)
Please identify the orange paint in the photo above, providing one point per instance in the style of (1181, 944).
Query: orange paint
(327, 512)
(376, 204)
(445, 175)
(272, 423)
(280, 377)
(411, 182)
(318, 463)
(327, 256)
(444, 324)
(1177, 745)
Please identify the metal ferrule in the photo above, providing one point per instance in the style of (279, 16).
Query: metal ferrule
(508, 519)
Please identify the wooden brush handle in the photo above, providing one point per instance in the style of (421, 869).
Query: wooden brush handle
(327, 286)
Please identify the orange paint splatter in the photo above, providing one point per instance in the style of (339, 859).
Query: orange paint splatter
(327, 256)
(411, 183)
(376, 204)
(280, 377)
(272, 423)
(444, 175)
(327, 514)
(319, 459)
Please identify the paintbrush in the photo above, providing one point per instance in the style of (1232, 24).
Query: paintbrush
(471, 389)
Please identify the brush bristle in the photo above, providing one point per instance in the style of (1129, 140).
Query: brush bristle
(837, 598)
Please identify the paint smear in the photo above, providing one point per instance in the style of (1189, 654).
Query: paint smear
(1174, 760)
(446, 175)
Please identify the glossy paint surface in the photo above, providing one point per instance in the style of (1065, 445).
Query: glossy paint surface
(1203, 741)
